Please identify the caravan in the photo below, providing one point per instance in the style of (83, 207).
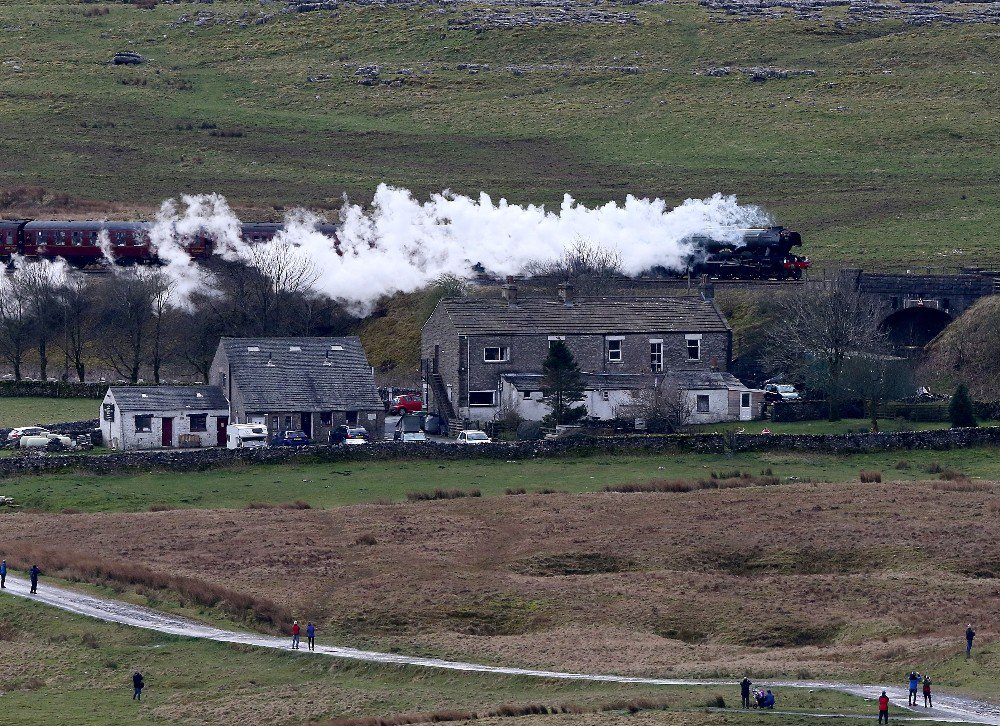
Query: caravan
(246, 436)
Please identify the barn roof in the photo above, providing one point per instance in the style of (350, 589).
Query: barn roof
(306, 374)
(605, 315)
(169, 398)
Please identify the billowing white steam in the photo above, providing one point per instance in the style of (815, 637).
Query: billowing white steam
(402, 244)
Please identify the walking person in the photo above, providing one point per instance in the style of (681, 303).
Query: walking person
(928, 703)
(745, 692)
(295, 635)
(3, 575)
(137, 685)
(914, 685)
(34, 572)
(883, 708)
(311, 635)
(969, 635)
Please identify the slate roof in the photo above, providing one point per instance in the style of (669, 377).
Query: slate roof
(534, 316)
(169, 398)
(305, 374)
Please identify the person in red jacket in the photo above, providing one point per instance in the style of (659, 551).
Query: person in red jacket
(928, 702)
(295, 635)
(883, 708)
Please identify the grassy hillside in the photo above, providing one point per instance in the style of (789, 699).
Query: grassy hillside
(884, 155)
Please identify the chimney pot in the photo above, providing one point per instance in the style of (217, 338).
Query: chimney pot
(509, 291)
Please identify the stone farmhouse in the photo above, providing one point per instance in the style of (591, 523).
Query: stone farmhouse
(482, 357)
(307, 384)
(154, 417)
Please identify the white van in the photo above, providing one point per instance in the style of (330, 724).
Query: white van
(246, 436)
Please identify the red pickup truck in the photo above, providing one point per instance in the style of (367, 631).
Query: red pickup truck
(410, 403)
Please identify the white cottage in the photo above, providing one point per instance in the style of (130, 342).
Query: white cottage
(161, 417)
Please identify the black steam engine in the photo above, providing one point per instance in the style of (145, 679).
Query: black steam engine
(755, 254)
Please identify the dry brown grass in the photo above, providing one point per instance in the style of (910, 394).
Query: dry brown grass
(442, 494)
(870, 477)
(801, 577)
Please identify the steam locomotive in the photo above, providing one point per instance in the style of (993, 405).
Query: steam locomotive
(79, 243)
(761, 254)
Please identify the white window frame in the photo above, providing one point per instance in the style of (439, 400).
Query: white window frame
(556, 337)
(694, 338)
(699, 398)
(503, 352)
(619, 340)
(493, 400)
(144, 429)
(605, 395)
(656, 356)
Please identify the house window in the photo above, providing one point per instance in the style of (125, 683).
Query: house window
(656, 356)
(744, 400)
(702, 404)
(554, 338)
(527, 395)
(498, 354)
(482, 398)
(694, 347)
(326, 418)
(614, 350)
(143, 424)
(199, 422)
(605, 395)
(288, 422)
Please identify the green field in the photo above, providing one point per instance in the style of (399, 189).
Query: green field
(337, 484)
(64, 669)
(887, 154)
(32, 411)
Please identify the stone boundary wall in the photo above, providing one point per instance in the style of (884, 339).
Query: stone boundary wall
(53, 389)
(205, 459)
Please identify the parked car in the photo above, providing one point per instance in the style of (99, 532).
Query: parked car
(246, 436)
(409, 428)
(349, 435)
(16, 434)
(780, 392)
(473, 437)
(290, 438)
(410, 403)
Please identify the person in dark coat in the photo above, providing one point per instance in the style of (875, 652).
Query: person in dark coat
(969, 635)
(768, 701)
(33, 573)
(137, 685)
(3, 575)
(745, 692)
(311, 636)
(928, 702)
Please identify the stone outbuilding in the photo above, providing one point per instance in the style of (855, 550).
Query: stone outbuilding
(302, 384)
(163, 417)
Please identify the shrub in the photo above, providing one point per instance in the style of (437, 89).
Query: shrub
(530, 431)
(72, 510)
(515, 492)
(716, 702)
(960, 409)
(934, 468)
(871, 477)
(90, 640)
(902, 465)
(953, 475)
(366, 540)
(161, 507)
(443, 494)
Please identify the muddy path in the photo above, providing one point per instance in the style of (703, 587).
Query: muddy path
(947, 708)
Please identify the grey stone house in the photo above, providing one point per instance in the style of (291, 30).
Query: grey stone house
(482, 357)
(307, 384)
(161, 417)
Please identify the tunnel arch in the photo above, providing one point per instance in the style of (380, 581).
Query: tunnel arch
(914, 327)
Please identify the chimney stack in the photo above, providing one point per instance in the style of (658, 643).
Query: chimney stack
(707, 289)
(509, 291)
(566, 292)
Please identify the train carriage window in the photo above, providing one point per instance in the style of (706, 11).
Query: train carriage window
(77, 239)
(62, 237)
(119, 239)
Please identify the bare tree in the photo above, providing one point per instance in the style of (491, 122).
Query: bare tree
(664, 406)
(126, 322)
(877, 378)
(15, 321)
(77, 305)
(285, 272)
(41, 283)
(815, 332)
(589, 267)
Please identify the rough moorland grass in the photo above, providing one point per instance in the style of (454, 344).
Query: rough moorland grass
(330, 485)
(61, 669)
(31, 411)
(885, 155)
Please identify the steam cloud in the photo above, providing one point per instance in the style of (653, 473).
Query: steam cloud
(402, 244)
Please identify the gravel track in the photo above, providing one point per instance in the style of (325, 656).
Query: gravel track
(953, 709)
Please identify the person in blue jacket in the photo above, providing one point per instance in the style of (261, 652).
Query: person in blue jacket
(3, 575)
(33, 573)
(311, 636)
(768, 701)
(914, 685)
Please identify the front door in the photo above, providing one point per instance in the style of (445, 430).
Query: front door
(167, 437)
(307, 423)
(220, 430)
